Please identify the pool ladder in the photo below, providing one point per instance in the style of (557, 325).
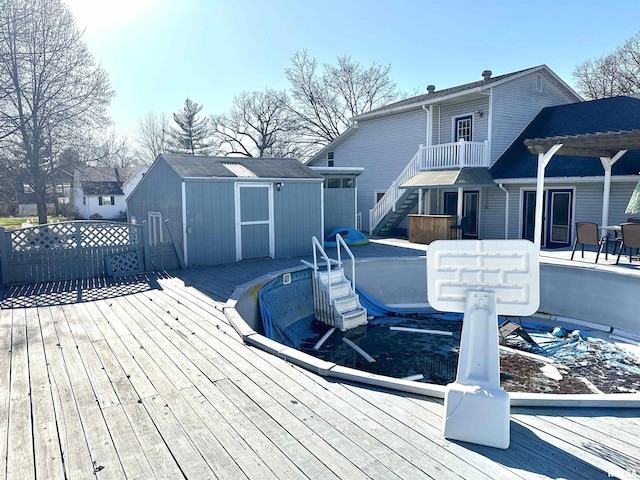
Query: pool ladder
(335, 300)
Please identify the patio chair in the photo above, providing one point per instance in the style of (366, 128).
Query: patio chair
(587, 234)
(630, 239)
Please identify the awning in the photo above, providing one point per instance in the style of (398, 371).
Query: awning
(465, 177)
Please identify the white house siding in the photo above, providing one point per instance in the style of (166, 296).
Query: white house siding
(383, 146)
(516, 103)
(588, 200)
(444, 115)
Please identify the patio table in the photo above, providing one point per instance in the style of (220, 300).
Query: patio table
(615, 229)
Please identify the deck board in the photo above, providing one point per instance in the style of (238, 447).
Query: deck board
(145, 378)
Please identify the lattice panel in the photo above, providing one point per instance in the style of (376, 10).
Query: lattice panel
(106, 234)
(123, 264)
(74, 235)
(57, 235)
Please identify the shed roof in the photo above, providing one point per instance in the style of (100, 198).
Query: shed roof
(190, 166)
(593, 117)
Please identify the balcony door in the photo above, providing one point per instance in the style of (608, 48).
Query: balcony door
(463, 128)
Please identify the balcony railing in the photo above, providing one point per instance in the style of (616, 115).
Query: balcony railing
(454, 155)
(432, 157)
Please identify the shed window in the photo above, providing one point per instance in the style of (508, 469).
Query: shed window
(155, 227)
(107, 200)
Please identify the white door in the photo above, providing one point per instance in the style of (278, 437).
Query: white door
(254, 221)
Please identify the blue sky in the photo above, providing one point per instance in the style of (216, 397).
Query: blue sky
(159, 52)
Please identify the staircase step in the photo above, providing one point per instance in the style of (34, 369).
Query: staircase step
(353, 318)
(340, 289)
(347, 303)
(337, 275)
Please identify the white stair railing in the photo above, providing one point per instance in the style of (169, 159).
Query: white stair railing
(432, 157)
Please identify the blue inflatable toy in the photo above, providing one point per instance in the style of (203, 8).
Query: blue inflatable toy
(351, 237)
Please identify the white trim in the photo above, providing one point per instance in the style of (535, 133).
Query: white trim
(322, 210)
(255, 180)
(490, 128)
(184, 224)
(480, 89)
(238, 216)
(594, 179)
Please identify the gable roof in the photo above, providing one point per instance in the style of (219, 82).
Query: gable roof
(604, 115)
(190, 166)
(477, 86)
(100, 180)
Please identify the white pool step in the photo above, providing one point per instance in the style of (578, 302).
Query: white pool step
(335, 301)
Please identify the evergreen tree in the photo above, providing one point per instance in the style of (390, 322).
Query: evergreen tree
(192, 135)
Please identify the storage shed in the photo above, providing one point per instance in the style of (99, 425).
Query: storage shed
(225, 209)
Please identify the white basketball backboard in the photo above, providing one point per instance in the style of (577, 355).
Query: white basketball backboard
(509, 268)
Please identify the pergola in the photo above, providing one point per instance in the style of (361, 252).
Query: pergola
(609, 146)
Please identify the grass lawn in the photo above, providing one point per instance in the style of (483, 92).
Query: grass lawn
(11, 223)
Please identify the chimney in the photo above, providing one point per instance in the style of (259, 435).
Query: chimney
(431, 89)
(486, 75)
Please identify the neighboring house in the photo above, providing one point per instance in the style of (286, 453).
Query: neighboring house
(432, 152)
(222, 210)
(574, 186)
(100, 192)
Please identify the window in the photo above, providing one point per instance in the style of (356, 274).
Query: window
(155, 228)
(340, 182)
(84, 200)
(106, 200)
(330, 159)
(463, 128)
(379, 194)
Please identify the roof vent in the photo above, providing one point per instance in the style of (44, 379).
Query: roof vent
(431, 89)
(486, 75)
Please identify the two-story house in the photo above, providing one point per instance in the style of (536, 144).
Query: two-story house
(431, 153)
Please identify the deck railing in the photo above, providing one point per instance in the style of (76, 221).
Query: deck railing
(432, 157)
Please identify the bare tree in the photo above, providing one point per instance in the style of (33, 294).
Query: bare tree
(260, 124)
(324, 102)
(617, 73)
(53, 88)
(152, 136)
(193, 132)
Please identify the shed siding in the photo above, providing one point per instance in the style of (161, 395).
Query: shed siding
(339, 208)
(383, 146)
(516, 103)
(211, 219)
(298, 217)
(160, 191)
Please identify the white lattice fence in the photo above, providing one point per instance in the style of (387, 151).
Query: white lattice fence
(71, 250)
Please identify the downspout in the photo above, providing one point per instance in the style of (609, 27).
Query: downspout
(429, 139)
(506, 211)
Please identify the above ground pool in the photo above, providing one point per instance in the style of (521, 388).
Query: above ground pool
(582, 347)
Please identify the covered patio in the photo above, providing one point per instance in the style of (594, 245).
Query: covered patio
(608, 146)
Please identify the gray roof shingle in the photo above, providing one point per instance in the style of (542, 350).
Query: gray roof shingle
(213, 167)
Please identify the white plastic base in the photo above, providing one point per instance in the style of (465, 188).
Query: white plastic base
(476, 408)
(477, 415)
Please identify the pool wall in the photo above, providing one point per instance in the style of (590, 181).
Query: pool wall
(591, 294)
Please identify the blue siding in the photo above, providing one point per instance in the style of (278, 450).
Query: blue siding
(339, 208)
(160, 190)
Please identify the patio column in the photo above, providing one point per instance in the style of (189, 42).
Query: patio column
(543, 161)
(459, 207)
(607, 163)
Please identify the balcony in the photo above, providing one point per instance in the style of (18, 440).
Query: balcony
(453, 155)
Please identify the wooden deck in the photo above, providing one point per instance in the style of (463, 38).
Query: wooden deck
(143, 378)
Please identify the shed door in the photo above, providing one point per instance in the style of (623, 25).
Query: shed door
(254, 221)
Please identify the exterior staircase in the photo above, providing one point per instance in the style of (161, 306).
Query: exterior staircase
(397, 202)
(335, 300)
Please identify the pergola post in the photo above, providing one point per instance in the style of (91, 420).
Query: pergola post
(607, 163)
(543, 161)
(459, 207)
